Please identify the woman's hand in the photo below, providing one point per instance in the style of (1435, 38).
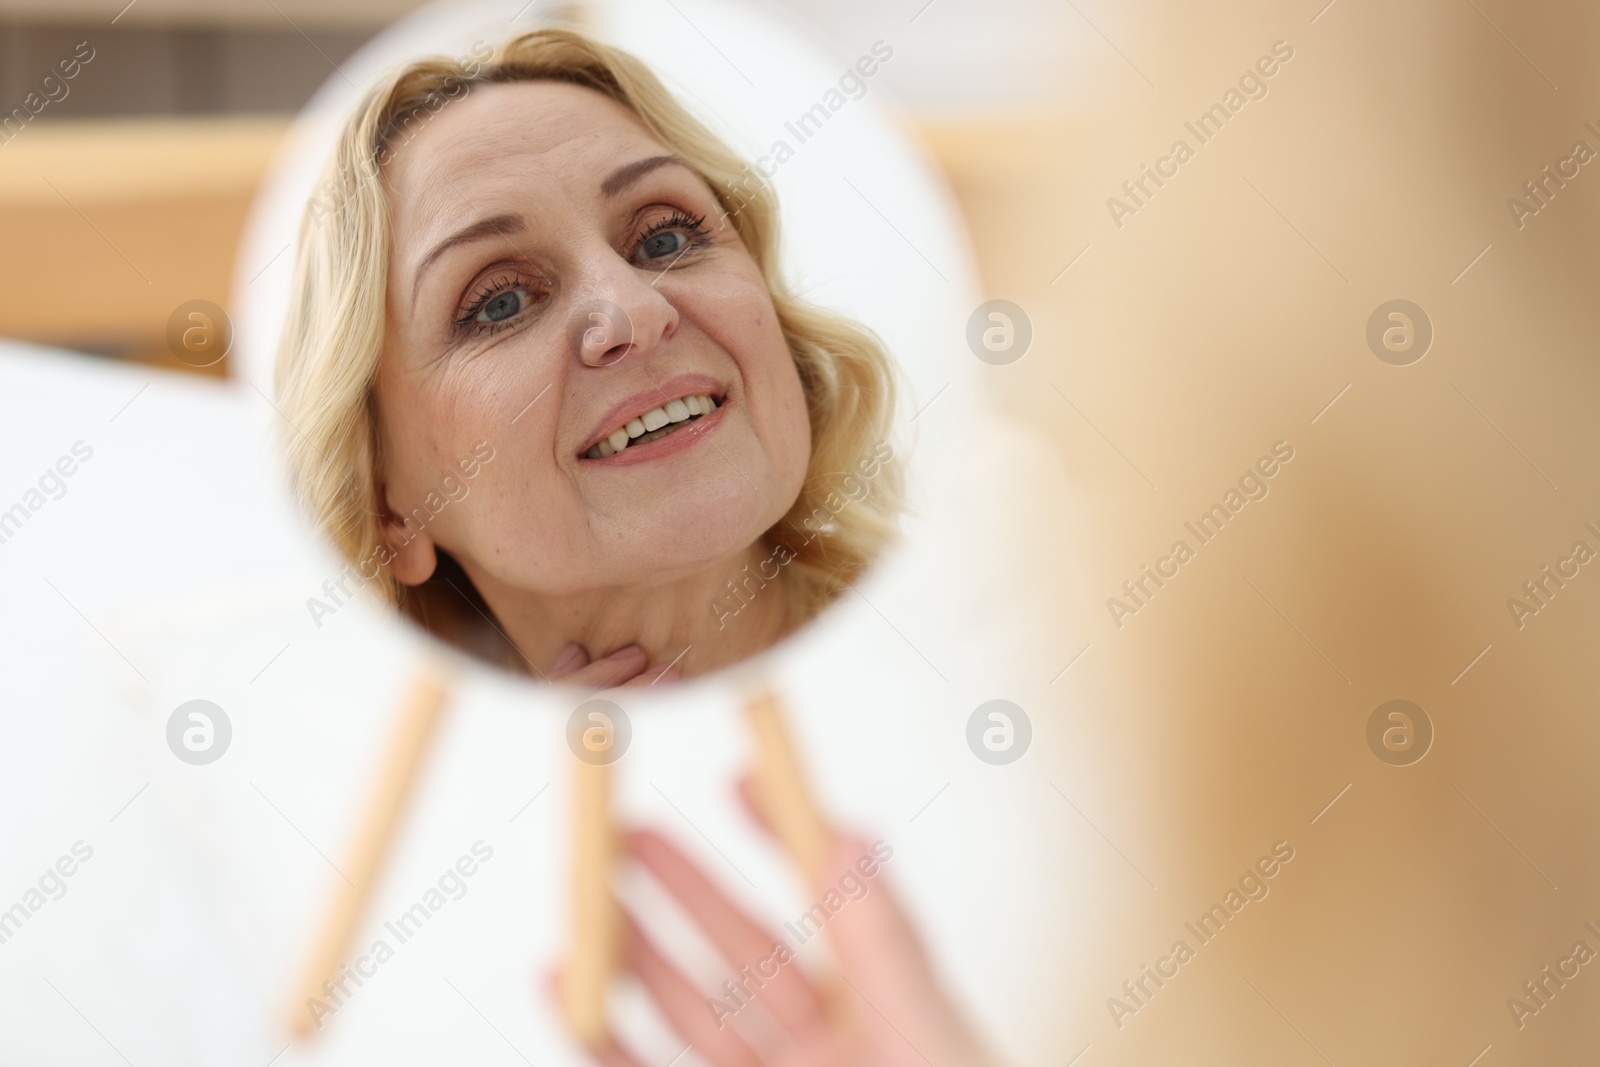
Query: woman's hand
(626, 666)
(884, 1008)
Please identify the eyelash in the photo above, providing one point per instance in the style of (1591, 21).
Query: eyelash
(693, 225)
(490, 290)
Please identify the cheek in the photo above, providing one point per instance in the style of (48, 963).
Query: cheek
(402, 443)
(774, 396)
(429, 426)
(792, 425)
(777, 401)
(795, 430)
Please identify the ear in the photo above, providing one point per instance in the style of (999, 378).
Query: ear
(413, 558)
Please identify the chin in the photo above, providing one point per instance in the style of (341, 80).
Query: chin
(698, 530)
(653, 541)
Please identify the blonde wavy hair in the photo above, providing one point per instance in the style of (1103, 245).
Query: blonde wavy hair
(333, 337)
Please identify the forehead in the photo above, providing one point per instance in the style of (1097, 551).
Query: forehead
(509, 137)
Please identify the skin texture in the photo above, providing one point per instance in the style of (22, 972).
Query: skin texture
(600, 299)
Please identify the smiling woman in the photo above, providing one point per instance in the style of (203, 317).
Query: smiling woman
(565, 264)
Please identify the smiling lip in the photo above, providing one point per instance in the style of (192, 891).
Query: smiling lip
(676, 441)
(633, 407)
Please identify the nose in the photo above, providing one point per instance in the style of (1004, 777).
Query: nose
(621, 316)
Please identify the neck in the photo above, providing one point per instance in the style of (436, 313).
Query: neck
(695, 620)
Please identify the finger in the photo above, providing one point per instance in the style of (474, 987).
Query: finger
(873, 935)
(611, 1054)
(818, 880)
(758, 958)
(608, 1053)
(652, 675)
(573, 658)
(883, 958)
(684, 1006)
(611, 671)
(745, 787)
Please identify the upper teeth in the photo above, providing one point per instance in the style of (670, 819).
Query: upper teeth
(646, 426)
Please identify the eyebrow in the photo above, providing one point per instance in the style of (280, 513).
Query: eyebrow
(493, 226)
(507, 225)
(629, 173)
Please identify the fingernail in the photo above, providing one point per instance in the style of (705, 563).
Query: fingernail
(626, 652)
(668, 674)
(568, 657)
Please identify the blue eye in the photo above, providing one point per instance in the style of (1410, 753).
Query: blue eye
(666, 243)
(503, 306)
(670, 239)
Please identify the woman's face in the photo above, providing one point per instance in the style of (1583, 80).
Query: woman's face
(558, 286)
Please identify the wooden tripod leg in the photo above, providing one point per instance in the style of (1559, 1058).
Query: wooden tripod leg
(595, 929)
(413, 732)
(781, 791)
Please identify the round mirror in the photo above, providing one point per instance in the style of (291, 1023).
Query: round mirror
(548, 378)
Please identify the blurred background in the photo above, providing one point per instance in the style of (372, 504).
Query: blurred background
(1178, 329)
(158, 149)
